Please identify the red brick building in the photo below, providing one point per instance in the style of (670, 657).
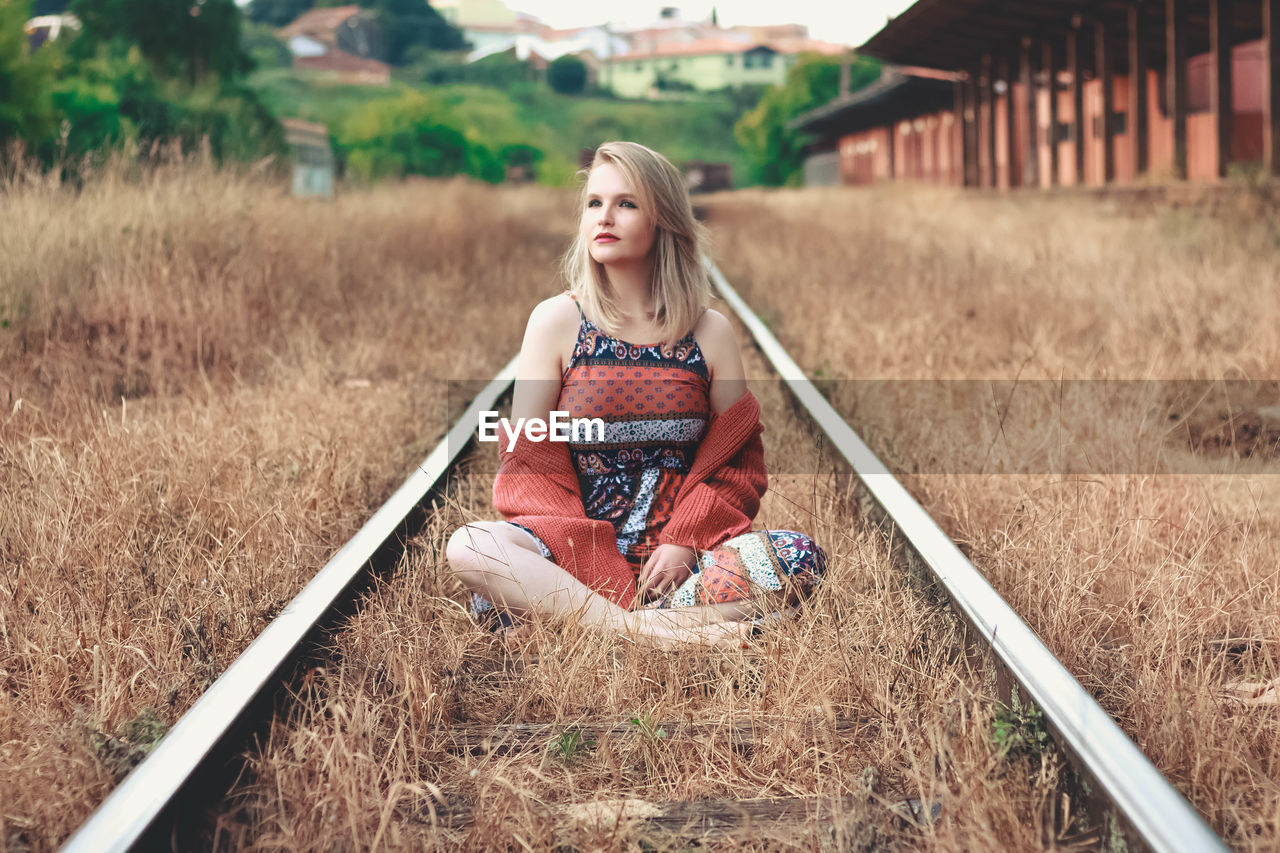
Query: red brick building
(1205, 95)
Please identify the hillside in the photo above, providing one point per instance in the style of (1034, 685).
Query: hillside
(528, 113)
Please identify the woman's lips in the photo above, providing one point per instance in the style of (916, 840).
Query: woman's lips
(606, 239)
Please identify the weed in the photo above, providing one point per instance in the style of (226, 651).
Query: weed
(1019, 731)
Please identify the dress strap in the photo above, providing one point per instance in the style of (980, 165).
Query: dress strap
(581, 314)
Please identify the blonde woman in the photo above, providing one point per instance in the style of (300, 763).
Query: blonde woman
(646, 529)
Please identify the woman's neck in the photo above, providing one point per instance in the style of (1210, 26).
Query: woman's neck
(632, 285)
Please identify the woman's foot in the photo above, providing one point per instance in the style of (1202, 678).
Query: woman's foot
(656, 629)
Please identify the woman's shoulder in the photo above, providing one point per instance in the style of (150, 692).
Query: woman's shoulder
(558, 313)
(714, 334)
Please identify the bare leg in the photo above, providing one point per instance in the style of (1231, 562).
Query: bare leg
(729, 611)
(500, 562)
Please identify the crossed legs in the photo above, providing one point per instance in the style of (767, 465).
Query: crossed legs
(502, 564)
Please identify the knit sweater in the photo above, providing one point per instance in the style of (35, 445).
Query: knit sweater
(537, 487)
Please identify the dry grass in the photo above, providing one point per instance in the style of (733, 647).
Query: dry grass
(1159, 592)
(864, 697)
(207, 387)
(281, 365)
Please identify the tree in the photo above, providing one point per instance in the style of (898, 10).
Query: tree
(278, 13)
(191, 38)
(567, 75)
(26, 112)
(406, 23)
(777, 154)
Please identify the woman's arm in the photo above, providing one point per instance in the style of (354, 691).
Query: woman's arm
(719, 346)
(548, 343)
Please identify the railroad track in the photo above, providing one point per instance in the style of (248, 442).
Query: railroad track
(1126, 793)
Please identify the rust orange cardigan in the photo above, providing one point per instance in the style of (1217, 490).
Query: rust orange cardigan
(537, 487)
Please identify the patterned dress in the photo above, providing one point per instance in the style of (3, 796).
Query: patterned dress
(656, 406)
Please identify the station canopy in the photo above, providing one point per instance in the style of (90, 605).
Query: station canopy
(955, 34)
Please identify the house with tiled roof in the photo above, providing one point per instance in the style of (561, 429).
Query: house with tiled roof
(337, 41)
(706, 64)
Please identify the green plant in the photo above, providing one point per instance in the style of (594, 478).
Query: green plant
(650, 729)
(570, 744)
(1020, 731)
(567, 75)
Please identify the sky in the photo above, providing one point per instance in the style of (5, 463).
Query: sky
(849, 22)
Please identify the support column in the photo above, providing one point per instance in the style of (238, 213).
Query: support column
(1271, 86)
(893, 148)
(1031, 151)
(1075, 64)
(989, 92)
(1008, 69)
(1102, 71)
(958, 110)
(972, 166)
(1050, 62)
(1176, 73)
(1221, 38)
(1139, 106)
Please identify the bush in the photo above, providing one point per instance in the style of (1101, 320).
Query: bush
(415, 135)
(776, 153)
(567, 75)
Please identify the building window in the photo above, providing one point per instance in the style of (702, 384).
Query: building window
(639, 66)
(766, 60)
(728, 60)
(748, 60)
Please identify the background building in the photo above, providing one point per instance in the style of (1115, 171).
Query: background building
(1048, 93)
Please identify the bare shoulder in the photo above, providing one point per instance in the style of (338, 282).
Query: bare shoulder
(715, 336)
(719, 344)
(557, 314)
(548, 338)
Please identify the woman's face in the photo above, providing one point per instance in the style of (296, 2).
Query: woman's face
(615, 227)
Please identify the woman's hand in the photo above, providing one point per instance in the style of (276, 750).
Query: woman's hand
(667, 567)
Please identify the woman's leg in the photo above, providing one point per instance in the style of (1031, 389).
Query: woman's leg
(749, 576)
(501, 563)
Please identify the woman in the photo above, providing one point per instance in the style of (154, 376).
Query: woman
(647, 531)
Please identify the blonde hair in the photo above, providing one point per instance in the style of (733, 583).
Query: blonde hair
(681, 288)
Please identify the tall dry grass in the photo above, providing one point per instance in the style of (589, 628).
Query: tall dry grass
(409, 736)
(280, 365)
(207, 386)
(1157, 586)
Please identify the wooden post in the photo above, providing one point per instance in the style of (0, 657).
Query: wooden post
(989, 91)
(972, 164)
(893, 148)
(1176, 72)
(1075, 64)
(1051, 73)
(1139, 106)
(958, 110)
(1031, 151)
(1271, 86)
(1221, 37)
(1102, 70)
(1007, 68)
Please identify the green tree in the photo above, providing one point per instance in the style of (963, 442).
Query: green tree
(567, 75)
(278, 13)
(26, 111)
(190, 38)
(49, 7)
(776, 154)
(412, 135)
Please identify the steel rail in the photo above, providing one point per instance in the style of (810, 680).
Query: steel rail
(128, 812)
(1157, 813)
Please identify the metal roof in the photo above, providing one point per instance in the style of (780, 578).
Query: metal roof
(954, 34)
(898, 94)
